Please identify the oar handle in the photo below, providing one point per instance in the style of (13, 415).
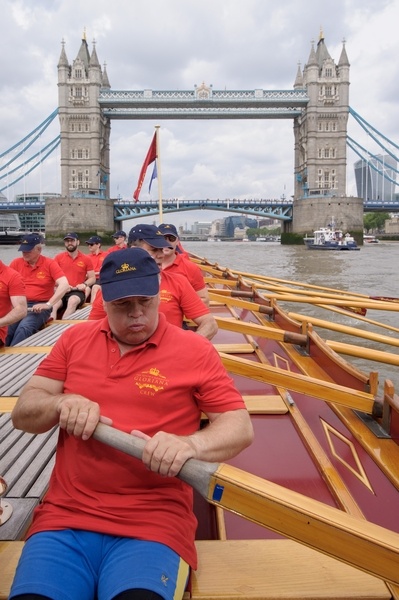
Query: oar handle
(196, 473)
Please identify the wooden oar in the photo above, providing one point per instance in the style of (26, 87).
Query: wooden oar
(320, 301)
(271, 333)
(358, 317)
(264, 278)
(296, 382)
(367, 353)
(358, 543)
(369, 335)
(297, 338)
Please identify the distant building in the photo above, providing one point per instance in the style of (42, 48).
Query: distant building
(33, 220)
(370, 181)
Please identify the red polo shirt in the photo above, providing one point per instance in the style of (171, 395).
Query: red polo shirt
(75, 269)
(40, 279)
(11, 284)
(183, 265)
(161, 384)
(97, 260)
(114, 248)
(178, 299)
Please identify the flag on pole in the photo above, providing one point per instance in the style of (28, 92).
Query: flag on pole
(153, 176)
(151, 156)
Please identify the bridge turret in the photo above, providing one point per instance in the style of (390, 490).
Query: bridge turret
(298, 84)
(85, 131)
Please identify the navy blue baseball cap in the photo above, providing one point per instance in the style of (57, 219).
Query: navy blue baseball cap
(71, 236)
(130, 272)
(29, 241)
(168, 229)
(94, 239)
(150, 234)
(119, 234)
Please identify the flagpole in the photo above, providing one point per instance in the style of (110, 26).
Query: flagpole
(159, 174)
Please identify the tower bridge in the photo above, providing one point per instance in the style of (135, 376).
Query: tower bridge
(318, 104)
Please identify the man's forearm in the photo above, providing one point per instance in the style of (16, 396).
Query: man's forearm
(206, 326)
(224, 437)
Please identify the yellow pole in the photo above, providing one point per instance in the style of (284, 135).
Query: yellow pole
(157, 127)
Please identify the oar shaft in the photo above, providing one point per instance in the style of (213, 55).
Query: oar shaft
(359, 543)
(367, 353)
(368, 335)
(317, 388)
(329, 530)
(194, 472)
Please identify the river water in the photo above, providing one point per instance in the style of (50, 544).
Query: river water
(372, 271)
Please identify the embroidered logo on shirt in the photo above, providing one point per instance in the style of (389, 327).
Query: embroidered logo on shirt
(150, 382)
(164, 580)
(165, 295)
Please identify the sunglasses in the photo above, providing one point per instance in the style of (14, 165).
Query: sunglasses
(95, 244)
(170, 238)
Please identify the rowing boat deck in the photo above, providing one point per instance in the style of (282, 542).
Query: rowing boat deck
(307, 445)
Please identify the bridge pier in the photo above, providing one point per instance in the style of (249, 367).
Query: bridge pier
(318, 211)
(86, 214)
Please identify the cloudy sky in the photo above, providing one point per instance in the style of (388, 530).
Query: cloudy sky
(176, 44)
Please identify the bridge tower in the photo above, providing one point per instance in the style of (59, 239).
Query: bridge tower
(320, 135)
(85, 148)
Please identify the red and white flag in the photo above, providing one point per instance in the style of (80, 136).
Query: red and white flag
(151, 156)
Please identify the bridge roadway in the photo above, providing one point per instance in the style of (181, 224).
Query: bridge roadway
(280, 209)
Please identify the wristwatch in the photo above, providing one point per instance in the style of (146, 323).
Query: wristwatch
(49, 305)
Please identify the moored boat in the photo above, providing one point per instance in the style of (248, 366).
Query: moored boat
(324, 467)
(370, 239)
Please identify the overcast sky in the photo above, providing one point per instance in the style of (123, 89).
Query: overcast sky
(176, 44)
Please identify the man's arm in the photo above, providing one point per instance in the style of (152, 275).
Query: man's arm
(204, 295)
(19, 311)
(226, 435)
(206, 325)
(42, 405)
(61, 288)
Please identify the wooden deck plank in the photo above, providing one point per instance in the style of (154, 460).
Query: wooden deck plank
(277, 569)
(17, 525)
(265, 405)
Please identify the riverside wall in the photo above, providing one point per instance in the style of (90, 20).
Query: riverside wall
(315, 212)
(83, 215)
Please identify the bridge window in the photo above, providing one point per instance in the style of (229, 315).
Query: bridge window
(78, 92)
(78, 73)
(328, 72)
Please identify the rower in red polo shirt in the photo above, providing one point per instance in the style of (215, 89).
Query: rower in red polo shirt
(177, 262)
(45, 285)
(13, 306)
(78, 268)
(178, 299)
(119, 241)
(97, 256)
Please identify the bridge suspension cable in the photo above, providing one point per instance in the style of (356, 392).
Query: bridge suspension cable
(366, 156)
(376, 135)
(47, 150)
(28, 165)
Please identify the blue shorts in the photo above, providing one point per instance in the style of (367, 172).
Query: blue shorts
(83, 565)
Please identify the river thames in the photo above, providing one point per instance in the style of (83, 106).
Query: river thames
(372, 271)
